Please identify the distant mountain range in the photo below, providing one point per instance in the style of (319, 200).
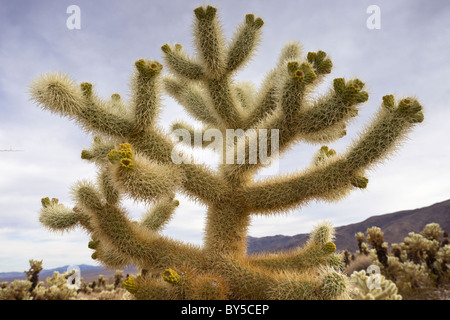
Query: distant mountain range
(395, 226)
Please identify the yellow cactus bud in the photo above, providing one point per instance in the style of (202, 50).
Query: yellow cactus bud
(130, 284)
(113, 156)
(45, 202)
(125, 150)
(127, 163)
(93, 244)
(86, 88)
(148, 68)
(329, 247)
(299, 74)
(171, 276)
(85, 154)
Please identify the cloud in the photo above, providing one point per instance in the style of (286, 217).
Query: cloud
(18, 245)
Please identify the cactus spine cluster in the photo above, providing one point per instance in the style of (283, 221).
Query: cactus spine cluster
(134, 157)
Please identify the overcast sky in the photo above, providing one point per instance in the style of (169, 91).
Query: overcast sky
(408, 56)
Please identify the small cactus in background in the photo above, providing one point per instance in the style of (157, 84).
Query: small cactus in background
(346, 257)
(101, 282)
(16, 290)
(432, 231)
(55, 288)
(33, 273)
(446, 240)
(386, 289)
(375, 237)
(419, 265)
(136, 158)
(118, 276)
(360, 238)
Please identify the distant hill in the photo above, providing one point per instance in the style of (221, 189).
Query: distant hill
(395, 226)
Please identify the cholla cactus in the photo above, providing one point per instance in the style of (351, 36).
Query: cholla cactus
(16, 290)
(375, 237)
(442, 263)
(419, 265)
(386, 289)
(413, 280)
(118, 276)
(101, 282)
(33, 272)
(432, 231)
(55, 288)
(136, 158)
(419, 249)
(360, 238)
